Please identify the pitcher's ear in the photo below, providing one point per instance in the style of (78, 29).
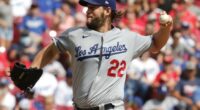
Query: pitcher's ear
(107, 11)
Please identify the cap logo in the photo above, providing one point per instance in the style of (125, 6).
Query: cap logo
(106, 2)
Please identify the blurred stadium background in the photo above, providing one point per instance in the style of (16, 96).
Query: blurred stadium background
(168, 80)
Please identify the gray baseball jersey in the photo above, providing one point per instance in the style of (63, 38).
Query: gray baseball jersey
(99, 62)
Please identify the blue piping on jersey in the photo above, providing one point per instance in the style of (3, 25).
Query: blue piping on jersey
(107, 56)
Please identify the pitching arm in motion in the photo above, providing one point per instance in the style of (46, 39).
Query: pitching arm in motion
(160, 38)
(45, 56)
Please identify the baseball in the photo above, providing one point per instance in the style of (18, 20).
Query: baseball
(164, 18)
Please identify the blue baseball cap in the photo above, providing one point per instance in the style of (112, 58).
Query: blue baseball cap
(107, 3)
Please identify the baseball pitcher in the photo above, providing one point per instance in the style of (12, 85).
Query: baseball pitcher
(100, 55)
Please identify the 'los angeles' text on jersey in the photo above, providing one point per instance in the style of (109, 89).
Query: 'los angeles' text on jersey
(91, 52)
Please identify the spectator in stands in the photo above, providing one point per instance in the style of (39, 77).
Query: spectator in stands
(49, 103)
(63, 19)
(192, 7)
(144, 69)
(129, 106)
(24, 104)
(80, 19)
(64, 100)
(47, 9)
(33, 24)
(179, 50)
(197, 3)
(4, 65)
(141, 72)
(152, 18)
(186, 88)
(196, 97)
(7, 100)
(133, 94)
(197, 55)
(149, 29)
(133, 21)
(196, 30)
(165, 4)
(142, 6)
(27, 104)
(187, 37)
(20, 7)
(181, 13)
(6, 24)
(56, 68)
(48, 6)
(28, 46)
(74, 6)
(161, 100)
(153, 5)
(44, 91)
(13, 55)
(178, 47)
(25, 59)
(168, 76)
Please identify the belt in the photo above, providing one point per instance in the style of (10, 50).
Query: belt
(106, 107)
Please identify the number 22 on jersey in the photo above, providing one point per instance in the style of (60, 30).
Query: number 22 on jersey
(116, 68)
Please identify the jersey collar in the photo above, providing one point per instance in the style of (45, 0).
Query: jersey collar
(112, 32)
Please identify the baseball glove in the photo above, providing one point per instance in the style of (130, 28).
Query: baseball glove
(25, 78)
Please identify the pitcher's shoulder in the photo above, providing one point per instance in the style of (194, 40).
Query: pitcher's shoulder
(74, 31)
(128, 32)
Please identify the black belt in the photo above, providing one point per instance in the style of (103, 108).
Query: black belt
(106, 107)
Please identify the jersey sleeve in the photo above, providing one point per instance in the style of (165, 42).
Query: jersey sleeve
(62, 42)
(142, 43)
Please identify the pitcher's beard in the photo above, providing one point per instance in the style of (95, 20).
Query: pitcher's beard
(96, 23)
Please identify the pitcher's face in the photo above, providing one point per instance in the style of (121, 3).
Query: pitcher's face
(96, 16)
